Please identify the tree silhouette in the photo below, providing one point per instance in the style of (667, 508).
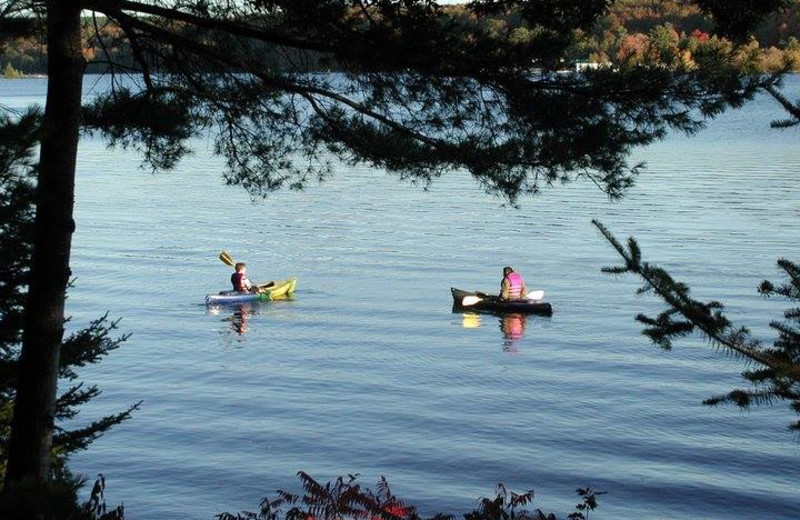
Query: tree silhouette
(421, 91)
(18, 141)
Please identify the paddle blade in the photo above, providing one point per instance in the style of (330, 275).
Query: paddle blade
(226, 258)
(535, 295)
(266, 286)
(470, 300)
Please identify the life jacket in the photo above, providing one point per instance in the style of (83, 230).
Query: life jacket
(238, 282)
(514, 285)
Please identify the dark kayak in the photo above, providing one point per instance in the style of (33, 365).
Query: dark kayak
(493, 304)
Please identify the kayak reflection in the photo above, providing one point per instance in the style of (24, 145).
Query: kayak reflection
(240, 317)
(512, 325)
(239, 314)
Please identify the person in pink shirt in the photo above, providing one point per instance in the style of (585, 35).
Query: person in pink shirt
(512, 287)
(240, 281)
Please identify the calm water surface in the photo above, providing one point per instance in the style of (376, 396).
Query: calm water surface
(368, 371)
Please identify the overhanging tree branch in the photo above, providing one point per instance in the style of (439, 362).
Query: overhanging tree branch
(792, 108)
(233, 27)
(776, 375)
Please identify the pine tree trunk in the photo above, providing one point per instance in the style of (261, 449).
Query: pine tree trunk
(32, 426)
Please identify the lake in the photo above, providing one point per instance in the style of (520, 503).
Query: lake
(368, 371)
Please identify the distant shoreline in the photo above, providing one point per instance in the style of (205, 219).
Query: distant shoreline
(25, 76)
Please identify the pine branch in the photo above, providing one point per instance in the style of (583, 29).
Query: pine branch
(89, 346)
(113, 8)
(73, 397)
(706, 317)
(792, 108)
(18, 141)
(776, 375)
(79, 439)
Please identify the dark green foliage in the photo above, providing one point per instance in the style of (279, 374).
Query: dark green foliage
(96, 505)
(18, 139)
(587, 503)
(87, 346)
(506, 505)
(57, 500)
(16, 22)
(557, 15)
(423, 90)
(738, 18)
(127, 120)
(54, 500)
(16, 221)
(793, 109)
(773, 371)
(345, 499)
(544, 24)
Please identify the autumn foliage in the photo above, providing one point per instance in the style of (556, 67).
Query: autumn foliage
(346, 499)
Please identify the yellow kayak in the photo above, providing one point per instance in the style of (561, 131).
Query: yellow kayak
(276, 290)
(279, 289)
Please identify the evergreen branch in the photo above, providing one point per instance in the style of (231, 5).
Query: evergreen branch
(714, 325)
(89, 345)
(79, 439)
(790, 290)
(18, 141)
(18, 138)
(792, 108)
(74, 396)
(114, 8)
(742, 398)
(778, 367)
(98, 36)
(306, 91)
(512, 144)
(138, 54)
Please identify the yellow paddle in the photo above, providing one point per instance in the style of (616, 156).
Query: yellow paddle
(228, 259)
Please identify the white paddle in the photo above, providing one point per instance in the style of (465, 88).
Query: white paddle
(473, 299)
(535, 295)
(470, 300)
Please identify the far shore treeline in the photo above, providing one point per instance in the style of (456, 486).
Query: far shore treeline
(630, 32)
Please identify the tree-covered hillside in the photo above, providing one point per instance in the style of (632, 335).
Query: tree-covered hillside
(622, 34)
(635, 29)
